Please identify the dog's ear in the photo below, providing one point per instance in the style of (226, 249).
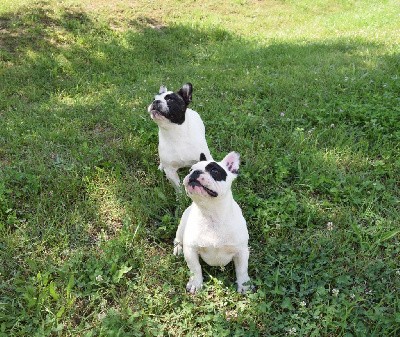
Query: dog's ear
(186, 92)
(202, 157)
(231, 162)
(162, 89)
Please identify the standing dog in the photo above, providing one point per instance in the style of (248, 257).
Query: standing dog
(213, 226)
(181, 131)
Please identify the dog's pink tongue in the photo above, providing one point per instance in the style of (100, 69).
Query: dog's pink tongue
(196, 188)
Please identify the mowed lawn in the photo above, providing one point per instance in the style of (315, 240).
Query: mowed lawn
(308, 92)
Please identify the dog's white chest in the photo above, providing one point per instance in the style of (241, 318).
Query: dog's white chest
(216, 234)
(217, 256)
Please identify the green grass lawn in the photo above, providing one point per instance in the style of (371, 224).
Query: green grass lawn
(308, 92)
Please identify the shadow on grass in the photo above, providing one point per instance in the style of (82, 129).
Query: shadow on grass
(78, 157)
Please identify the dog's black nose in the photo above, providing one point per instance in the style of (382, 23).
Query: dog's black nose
(156, 104)
(193, 178)
(195, 175)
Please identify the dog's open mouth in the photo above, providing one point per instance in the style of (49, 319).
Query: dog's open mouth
(194, 183)
(155, 112)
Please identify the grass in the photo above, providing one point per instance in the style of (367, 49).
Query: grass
(306, 91)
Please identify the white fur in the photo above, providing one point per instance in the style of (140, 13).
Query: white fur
(179, 145)
(213, 228)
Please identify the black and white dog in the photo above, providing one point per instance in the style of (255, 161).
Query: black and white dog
(213, 226)
(181, 131)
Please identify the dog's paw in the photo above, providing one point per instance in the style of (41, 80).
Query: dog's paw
(178, 190)
(178, 248)
(194, 285)
(245, 287)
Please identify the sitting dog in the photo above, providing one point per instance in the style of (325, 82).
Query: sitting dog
(181, 131)
(213, 226)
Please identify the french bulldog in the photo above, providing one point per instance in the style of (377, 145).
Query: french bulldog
(213, 226)
(181, 135)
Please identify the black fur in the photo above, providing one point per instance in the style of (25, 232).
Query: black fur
(193, 178)
(176, 108)
(202, 157)
(216, 171)
(186, 92)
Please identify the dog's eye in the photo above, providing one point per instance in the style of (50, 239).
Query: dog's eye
(215, 173)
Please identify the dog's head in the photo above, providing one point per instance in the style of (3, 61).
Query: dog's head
(210, 179)
(170, 107)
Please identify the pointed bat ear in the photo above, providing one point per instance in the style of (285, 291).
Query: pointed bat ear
(162, 89)
(186, 92)
(232, 162)
(202, 157)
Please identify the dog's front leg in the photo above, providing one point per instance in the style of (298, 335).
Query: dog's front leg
(173, 177)
(178, 241)
(241, 260)
(192, 260)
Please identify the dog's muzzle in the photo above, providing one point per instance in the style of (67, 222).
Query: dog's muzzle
(193, 178)
(193, 182)
(157, 106)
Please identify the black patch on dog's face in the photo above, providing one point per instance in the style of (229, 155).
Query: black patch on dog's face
(176, 108)
(202, 157)
(216, 171)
